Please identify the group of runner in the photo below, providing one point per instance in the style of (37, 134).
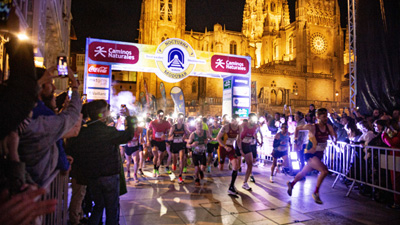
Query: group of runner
(199, 139)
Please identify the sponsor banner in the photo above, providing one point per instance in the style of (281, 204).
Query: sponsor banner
(179, 99)
(241, 81)
(227, 94)
(94, 94)
(242, 112)
(227, 84)
(98, 69)
(172, 61)
(98, 82)
(229, 64)
(113, 52)
(241, 102)
(241, 91)
(254, 92)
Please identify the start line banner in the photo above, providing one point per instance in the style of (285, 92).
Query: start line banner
(172, 61)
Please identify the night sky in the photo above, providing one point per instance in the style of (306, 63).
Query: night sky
(119, 19)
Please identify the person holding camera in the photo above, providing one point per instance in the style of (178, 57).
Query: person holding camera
(98, 160)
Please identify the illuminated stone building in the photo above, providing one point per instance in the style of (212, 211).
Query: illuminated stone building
(292, 63)
(46, 23)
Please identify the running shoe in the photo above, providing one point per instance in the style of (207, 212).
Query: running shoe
(271, 179)
(157, 173)
(252, 179)
(180, 180)
(289, 188)
(189, 161)
(208, 169)
(232, 191)
(141, 172)
(197, 182)
(185, 169)
(234, 188)
(168, 170)
(154, 173)
(216, 162)
(135, 178)
(173, 167)
(316, 198)
(201, 174)
(246, 186)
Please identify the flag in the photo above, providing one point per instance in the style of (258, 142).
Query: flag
(163, 94)
(179, 100)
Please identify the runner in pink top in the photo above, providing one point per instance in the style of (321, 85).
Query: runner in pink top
(248, 142)
(160, 129)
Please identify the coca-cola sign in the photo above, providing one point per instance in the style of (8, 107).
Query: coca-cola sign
(98, 69)
(112, 52)
(229, 64)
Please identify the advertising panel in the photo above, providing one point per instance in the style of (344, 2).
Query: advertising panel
(172, 61)
(241, 96)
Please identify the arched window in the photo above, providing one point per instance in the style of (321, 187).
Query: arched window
(291, 45)
(233, 48)
(194, 87)
(162, 9)
(276, 51)
(169, 10)
(166, 10)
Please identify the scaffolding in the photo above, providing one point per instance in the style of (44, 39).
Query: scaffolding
(351, 12)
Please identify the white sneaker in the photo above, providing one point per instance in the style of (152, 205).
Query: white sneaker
(271, 179)
(246, 186)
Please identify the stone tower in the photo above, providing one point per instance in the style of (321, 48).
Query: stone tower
(262, 21)
(320, 38)
(159, 20)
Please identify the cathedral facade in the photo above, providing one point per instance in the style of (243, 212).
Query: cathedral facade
(292, 63)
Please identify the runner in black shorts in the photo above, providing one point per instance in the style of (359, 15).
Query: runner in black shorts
(318, 136)
(213, 144)
(177, 134)
(198, 141)
(281, 147)
(248, 138)
(158, 128)
(134, 152)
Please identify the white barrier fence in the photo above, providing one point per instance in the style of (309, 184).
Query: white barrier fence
(369, 165)
(56, 188)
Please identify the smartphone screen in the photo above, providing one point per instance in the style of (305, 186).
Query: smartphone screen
(69, 92)
(62, 66)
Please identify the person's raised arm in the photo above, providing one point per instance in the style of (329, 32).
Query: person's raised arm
(332, 134)
(190, 140)
(171, 133)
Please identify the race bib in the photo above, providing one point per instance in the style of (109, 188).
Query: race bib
(230, 141)
(133, 143)
(159, 134)
(200, 148)
(248, 140)
(321, 147)
(178, 139)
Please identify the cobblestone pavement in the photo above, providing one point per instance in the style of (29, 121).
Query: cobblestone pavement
(164, 201)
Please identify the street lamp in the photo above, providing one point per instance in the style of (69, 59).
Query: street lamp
(337, 95)
(22, 36)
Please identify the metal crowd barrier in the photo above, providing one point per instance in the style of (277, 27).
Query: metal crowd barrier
(369, 165)
(56, 188)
